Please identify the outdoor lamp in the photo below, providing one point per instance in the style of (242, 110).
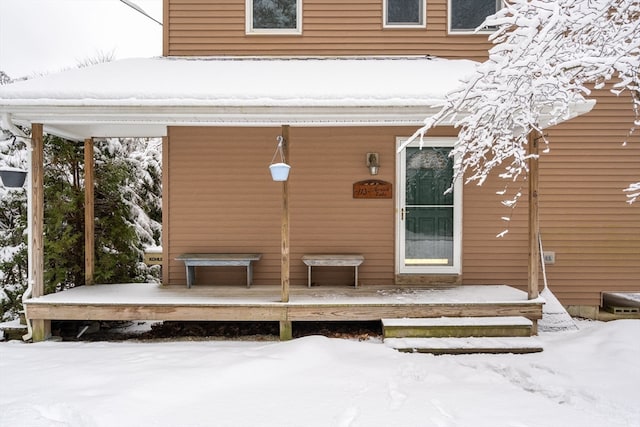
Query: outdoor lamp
(373, 163)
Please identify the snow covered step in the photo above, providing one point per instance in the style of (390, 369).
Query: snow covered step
(466, 345)
(505, 326)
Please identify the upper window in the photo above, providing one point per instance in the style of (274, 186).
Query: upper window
(404, 13)
(467, 15)
(274, 16)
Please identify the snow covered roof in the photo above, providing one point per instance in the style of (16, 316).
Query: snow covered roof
(140, 97)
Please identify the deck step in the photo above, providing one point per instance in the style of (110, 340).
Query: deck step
(439, 327)
(468, 345)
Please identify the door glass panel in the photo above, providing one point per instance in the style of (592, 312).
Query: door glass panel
(428, 210)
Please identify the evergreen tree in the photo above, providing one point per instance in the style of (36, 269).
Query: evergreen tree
(63, 214)
(13, 241)
(13, 216)
(127, 186)
(127, 209)
(4, 78)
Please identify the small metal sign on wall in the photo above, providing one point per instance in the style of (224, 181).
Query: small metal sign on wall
(372, 189)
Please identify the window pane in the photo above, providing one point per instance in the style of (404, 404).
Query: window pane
(429, 212)
(404, 11)
(469, 14)
(274, 14)
(429, 236)
(429, 175)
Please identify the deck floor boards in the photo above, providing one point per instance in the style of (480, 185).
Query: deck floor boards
(143, 301)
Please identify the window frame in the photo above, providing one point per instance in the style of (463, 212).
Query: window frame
(423, 17)
(249, 30)
(499, 5)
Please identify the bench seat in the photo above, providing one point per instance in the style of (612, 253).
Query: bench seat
(332, 260)
(218, 260)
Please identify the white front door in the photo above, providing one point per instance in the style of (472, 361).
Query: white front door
(429, 221)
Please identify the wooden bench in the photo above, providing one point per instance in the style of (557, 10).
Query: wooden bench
(332, 260)
(191, 261)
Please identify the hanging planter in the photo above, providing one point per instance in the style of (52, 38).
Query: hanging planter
(13, 178)
(280, 170)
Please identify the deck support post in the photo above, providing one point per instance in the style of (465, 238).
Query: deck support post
(286, 330)
(89, 216)
(534, 224)
(41, 328)
(284, 268)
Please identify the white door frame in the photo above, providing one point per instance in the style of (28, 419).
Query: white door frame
(401, 267)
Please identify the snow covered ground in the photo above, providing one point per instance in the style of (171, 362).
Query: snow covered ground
(588, 377)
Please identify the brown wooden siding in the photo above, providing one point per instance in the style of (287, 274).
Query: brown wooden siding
(584, 215)
(233, 206)
(329, 27)
(221, 197)
(222, 200)
(487, 258)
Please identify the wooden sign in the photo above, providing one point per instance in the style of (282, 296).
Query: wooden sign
(153, 258)
(372, 189)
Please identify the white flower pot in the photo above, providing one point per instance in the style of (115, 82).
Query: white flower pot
(279, 171)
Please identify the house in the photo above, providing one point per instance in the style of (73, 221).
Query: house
(343, 84)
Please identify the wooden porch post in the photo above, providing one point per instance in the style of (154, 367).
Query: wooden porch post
(165, 210)
(285, 324)
(534, 229)
(41, 327)
(89, 216)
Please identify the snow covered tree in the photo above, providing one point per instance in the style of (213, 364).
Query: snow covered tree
(4, 78)
(63, 213)
(127, 208)
(13, 239)
(547, 57)
(13, 215)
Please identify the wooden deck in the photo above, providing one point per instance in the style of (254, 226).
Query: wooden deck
(143, 301)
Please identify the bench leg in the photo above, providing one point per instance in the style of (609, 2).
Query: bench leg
(309, 276)
(356, 282)
(249, 275)
(191, 275)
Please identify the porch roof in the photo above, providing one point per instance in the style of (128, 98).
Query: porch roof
(141, 97)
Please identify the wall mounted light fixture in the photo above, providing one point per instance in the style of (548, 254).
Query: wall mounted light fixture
(373, 163)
